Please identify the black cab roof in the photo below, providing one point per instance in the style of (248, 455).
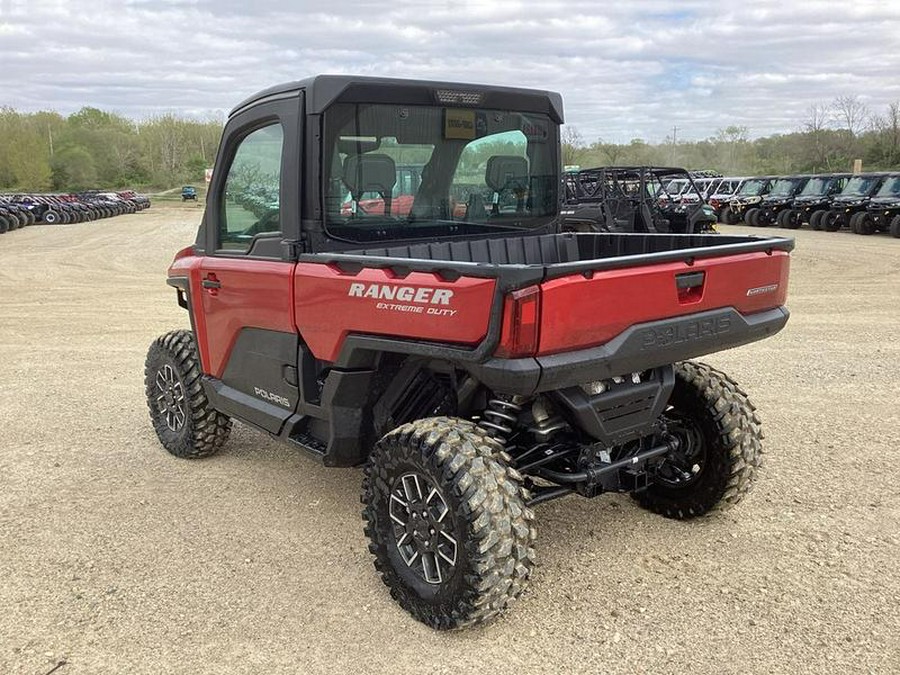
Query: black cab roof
(323, 90)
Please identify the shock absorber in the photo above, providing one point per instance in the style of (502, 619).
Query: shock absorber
(500, 418)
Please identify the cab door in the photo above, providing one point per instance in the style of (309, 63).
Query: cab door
(249, 338)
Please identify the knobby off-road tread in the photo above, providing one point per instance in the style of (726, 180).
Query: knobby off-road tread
(895, 227)
(206, 429)
(496, 556)
(733, 434)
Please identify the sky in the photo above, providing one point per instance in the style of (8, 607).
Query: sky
(626, 69)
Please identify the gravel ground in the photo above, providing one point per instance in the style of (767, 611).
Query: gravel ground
(116, 557)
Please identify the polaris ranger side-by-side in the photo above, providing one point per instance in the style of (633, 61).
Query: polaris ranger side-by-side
(775, 206)
(747, 198)
(634, 199)
(883, 211)
(852, 202)
(814, 200)
(475, 358)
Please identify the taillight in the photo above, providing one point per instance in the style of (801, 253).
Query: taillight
(184, 253)
(520, 332)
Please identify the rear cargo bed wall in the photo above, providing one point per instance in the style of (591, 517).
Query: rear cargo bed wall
(551, 249)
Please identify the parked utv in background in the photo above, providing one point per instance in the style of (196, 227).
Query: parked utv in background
(775, 206)
(814, 200)
(188, 192)
(478, 361)
(721, 196)
(852, 202)
(634, 199)
(883, 211)
(748, 197)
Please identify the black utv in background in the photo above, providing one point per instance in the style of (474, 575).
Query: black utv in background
(883, 212)
(853, 201)
(749, 196)
(776, 205)
(814, 200)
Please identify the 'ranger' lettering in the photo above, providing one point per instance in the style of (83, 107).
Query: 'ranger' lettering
(422, 295)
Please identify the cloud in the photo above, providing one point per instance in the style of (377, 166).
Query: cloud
(625, 70)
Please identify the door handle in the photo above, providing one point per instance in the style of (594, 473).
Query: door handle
(211, 283)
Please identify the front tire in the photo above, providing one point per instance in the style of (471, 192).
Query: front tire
(720, 448)
(725, 216)
(187, 425)
(447, 522)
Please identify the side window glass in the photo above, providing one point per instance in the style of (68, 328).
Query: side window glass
(251, 199)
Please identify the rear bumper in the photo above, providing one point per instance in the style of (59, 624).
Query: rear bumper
(642, 346)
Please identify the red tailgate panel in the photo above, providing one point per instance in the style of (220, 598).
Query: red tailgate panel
(331, 304)
(578, 312)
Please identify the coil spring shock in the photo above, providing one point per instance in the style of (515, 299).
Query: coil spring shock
(499, 419)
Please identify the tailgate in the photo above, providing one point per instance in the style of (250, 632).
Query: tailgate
(591, 308)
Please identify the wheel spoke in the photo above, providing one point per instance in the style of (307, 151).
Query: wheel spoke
(403, 505)
(160, 381)
(411, 487)
(411, 559)
(431, 567)
(449, 542)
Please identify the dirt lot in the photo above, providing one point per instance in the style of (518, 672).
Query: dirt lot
(116, 557)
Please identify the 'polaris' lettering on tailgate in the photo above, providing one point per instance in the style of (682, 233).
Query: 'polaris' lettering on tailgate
(684, 332)
(421, 295)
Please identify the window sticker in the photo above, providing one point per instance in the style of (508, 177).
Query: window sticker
(459, 124)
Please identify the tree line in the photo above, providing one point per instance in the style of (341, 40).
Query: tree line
(46, 151)
(829, 139)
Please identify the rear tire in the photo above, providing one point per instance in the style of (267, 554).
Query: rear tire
(184, 420)
(51, 217)
(833, 221)
(782, 218)
(751, 217)
(447, 522)
(721, 434)
(793, 219)
(864, 224)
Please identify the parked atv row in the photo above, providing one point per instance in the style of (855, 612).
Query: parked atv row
(865, 203)
(19, 210)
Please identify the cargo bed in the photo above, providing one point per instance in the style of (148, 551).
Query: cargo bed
(539, 257)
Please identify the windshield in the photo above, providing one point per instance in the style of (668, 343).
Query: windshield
(783, 187)
(675, 186)
(891, 187)
(816, 186)
(752, 187)
(726, 187)
(403, 172)
(859, 186)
